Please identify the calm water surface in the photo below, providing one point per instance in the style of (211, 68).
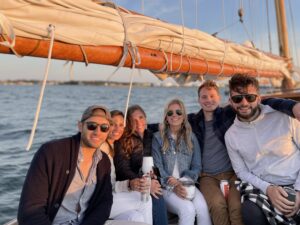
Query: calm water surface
(62, 108)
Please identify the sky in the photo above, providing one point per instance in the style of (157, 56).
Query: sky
(207, 15)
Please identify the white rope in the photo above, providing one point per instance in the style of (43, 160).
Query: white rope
(71, 71)
(171, 58)
(8, 34)
(129, 93)
(51, 30)
(12, 222)
(131, 49)
(6, 28)
(68, 67)
(182, 26)
(223, 60)
(128, 47)
(165, 66)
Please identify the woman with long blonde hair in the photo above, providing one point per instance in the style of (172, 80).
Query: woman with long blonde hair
(176, 153)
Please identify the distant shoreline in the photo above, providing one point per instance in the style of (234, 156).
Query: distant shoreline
(55, 82)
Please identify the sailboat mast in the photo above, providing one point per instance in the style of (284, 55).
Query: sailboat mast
(282, 29)
(283, 39)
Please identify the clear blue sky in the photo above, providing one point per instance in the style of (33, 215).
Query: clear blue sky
(207, 15)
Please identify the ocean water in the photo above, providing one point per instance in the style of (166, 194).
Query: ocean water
(61, 109)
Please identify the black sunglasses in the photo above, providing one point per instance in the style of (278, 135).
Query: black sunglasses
(239, 98)
(177, 111)
(104, 127)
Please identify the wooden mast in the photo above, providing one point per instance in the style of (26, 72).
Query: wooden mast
(287, 83)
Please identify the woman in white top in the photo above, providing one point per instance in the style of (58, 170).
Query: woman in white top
(127, 204)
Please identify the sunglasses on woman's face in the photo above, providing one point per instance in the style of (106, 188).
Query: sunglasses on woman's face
(238, 98)
(104, 127)
(177, 111)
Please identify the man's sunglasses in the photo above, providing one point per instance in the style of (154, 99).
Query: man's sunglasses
(177, 111)
(239, 98)
(104, 127)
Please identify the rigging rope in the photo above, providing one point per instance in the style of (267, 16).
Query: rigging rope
(143, 7)
(182, 26)
(223, 60)
(70, 69)
(8, 34)
(293, 31)
(196, 8)
(230, 25)
(183, 36)
(128, 47)
(51, 30)
(269, 30)
(241, 20)
(129, 94)
(253, 31)
(224, 17)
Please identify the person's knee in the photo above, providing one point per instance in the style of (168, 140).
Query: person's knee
(136, 216)
(234, 206)
(187, 210)
(218, 204)
(252, 214)
(147, 205)
(201, 207)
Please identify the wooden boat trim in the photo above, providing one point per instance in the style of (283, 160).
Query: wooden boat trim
(151, 59)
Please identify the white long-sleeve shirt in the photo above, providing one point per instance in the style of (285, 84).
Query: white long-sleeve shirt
(266, 151)
(117, 186)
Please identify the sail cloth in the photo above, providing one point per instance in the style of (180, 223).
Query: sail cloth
(87, 22)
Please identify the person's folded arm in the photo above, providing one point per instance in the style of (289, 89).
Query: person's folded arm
(286, 106)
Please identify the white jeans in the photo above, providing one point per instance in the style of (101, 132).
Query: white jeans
(187, 210)
(128, 206)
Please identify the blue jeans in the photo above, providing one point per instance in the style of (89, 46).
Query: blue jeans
(159, 211)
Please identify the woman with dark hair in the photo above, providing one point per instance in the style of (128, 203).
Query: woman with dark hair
(176, 154)
(127, 204)
(129, 152)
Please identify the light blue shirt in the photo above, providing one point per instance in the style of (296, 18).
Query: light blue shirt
(75, 202)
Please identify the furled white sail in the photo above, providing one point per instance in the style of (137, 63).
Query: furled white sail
(87, 22)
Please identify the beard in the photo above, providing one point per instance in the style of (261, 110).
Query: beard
(250, 116)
